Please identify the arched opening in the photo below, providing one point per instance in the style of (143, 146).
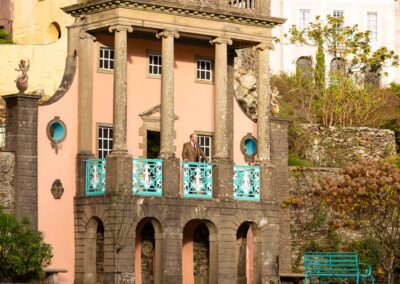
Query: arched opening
(148, 248)
(199, 252)
(248, 253)
(304, 66)
(53, 32)
(94, 252)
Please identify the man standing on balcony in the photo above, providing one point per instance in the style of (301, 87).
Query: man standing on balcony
(192, 151)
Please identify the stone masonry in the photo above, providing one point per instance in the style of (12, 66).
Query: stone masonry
(7, 187)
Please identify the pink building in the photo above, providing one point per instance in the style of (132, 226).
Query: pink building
(113, 194)
(6, 14)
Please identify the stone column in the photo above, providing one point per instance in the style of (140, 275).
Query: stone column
(119, 162)
(85, 107)
(263, 119)
(21, 138)
(167, 148)
(223, 171)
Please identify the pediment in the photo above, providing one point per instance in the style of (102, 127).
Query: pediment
(153, 113)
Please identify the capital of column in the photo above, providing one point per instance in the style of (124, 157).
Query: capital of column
(120, 28)
(263, 46)
(86, 35)
(168, 33)
(221, 40)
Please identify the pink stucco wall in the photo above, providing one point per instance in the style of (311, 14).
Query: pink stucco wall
(6, 14)
(194, 103)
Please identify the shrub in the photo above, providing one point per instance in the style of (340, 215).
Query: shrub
(23, 253)
(5, 37)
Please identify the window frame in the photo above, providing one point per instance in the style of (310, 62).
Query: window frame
(102, 69)
(205, 59)
(373, 42)
(209, 135)
(336, 16)
(153, 53)
(301, 17)
(98, 149)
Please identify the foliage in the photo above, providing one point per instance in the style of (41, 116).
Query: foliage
(23, 253)
(395, 88)
(5, 37)
(295, 160)
(346, 43)
(367, 199)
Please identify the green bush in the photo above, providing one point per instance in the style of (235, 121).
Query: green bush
(5, 37)
(23, 253)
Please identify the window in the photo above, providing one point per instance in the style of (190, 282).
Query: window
(304, 18)
(205, 142)
(155, 64)
(106, 58)
(372, 26)
(105, 140)
(338, 13)
(204, 70)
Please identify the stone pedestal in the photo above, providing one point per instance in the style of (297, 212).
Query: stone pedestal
(21, 138)
(171, 177)
(81, 172)
(223, 180)
(119, 174)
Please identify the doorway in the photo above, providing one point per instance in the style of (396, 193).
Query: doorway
(153, 144)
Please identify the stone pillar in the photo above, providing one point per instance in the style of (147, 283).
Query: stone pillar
(119, 162)
(167, 149)
(263, 120)
(223, 171)
(21, 138)
(85, 107)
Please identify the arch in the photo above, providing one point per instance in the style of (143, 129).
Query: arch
(148, 251)
(248, 253)
(304, 66)
(53, 32)
(338, 65)
(93, 261)
(200, 252)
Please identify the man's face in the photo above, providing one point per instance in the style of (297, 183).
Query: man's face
(194, 138)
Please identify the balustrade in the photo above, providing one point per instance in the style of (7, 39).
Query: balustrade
(246, 183)
(197, 180)
(147, 177)
(95, 177)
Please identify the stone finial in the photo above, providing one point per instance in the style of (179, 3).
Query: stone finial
(274, 101)
(22, 79)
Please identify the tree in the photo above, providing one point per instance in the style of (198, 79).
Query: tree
(23, 253)
(367, 198)
(346, 43)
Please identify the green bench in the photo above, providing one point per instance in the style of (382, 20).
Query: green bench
(321, 265)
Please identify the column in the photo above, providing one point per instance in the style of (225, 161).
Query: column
(223, 171)
(167, 94)
(171, 165)
(85, 107)
(119, 162)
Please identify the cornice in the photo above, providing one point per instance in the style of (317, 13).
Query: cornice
(178, 8)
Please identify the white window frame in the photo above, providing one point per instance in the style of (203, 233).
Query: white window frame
(104, 136)
(154, 69)
(106, 60)
(207, 149)
(373, 27)
(338, 13)
(304, 18)
(204, 73)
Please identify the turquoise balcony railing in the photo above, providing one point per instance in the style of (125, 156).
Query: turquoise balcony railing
(246, 183)
(147, 177)
(95, 177)
(197, 180)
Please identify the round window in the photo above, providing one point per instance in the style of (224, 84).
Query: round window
(248, 146)
(56, 130)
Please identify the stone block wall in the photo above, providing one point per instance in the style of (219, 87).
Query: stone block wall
(335, 146)
(7, 186)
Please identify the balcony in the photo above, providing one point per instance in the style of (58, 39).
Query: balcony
(197, 179)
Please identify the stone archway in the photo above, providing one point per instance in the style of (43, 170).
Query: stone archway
(148, 251)
(248, 253)
(199, 252)
(94, 252)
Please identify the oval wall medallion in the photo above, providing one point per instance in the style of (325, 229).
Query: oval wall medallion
(57, 189)
(248, 146)
(56, 132)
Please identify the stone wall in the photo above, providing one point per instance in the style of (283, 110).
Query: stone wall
(335, 146)
(7, 187)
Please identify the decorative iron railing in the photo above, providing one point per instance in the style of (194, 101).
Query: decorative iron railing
(147, 177)
(246, 183)
(95, 177)
(197, 180)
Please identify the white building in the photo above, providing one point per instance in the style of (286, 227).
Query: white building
(378, 16)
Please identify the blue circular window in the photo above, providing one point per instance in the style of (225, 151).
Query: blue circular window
(56, 130)
(250, 146)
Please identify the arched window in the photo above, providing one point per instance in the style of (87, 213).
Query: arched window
(53, 33)
(304, 66)
(94, 251)
(338, 65)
